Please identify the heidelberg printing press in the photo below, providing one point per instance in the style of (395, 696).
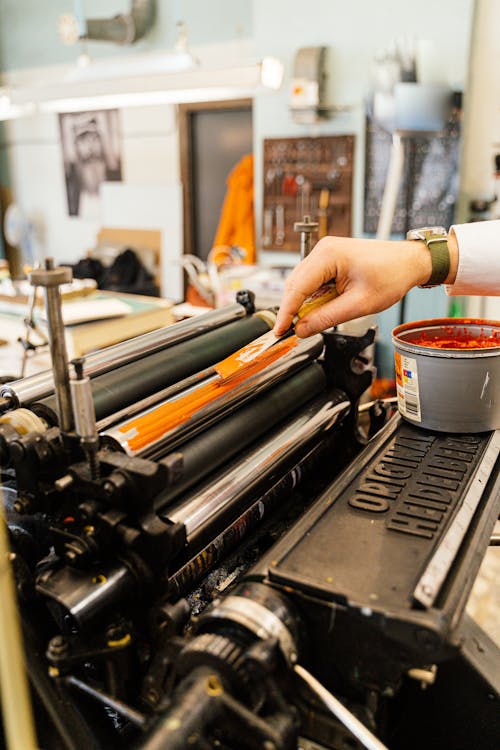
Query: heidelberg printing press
(238, 562)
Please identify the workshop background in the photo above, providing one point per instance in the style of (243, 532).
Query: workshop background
(223, 35)
(178, 170)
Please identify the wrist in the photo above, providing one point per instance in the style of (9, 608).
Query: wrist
(421, 262)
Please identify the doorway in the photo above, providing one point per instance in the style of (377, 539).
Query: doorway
(213, 138)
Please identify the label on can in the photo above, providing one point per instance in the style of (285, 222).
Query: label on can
(407, 387)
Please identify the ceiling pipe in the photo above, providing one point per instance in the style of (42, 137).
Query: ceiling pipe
(124, 28)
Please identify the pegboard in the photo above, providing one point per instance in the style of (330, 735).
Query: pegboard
(302, 176)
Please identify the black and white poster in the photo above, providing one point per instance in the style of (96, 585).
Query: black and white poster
(91, 155)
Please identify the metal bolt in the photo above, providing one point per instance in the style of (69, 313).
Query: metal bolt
(78, 365)
(44, 577)
(22, 505)
(58, 645)
(115, 632)
(87, 510)
(424, 676)
(64, 482)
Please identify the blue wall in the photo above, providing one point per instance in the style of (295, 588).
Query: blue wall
(354, 31)
(29, 36)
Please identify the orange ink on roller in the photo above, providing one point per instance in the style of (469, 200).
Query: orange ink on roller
(152, 426)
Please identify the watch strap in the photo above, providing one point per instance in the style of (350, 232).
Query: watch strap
(440, 258)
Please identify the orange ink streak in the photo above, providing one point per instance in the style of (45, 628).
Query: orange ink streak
(152, 426)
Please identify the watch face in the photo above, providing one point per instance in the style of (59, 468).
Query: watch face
(424, 233)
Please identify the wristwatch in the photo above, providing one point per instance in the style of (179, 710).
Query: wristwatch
(435, 239)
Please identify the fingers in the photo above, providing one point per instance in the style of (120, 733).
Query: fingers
(292, 300)
(305, 279)
(345, 307)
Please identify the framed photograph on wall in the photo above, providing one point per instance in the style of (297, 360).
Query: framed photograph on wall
(91, 151)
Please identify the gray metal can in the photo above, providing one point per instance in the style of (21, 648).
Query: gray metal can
(448, 373)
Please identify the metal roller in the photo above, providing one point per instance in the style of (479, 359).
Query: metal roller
(205, 453)
(125, 385)
(196, 567)
(263, 463)
(35, 387)
(157, 430)
(155, 398)
(87, 595)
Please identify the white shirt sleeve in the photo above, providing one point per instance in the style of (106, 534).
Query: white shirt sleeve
(478, 259)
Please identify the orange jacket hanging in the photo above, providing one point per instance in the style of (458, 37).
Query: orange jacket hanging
(236, 223)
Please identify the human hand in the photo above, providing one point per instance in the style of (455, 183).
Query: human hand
(370, 276)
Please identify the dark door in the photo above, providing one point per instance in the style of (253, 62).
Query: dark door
(217, 136)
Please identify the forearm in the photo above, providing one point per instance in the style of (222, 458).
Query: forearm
(370, 276)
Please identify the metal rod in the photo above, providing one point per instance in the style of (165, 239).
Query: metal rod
(391, 189)
(368, 404)
(306, 227)
(59, 359)
(272, 452)
(107, 700)
(115, 390)
(125, 433)
(51, 279)
(40, 385)
(345, 716)
(84, 415)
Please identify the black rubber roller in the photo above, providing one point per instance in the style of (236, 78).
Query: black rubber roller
(117, 389)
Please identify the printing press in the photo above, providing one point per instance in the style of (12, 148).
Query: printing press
(243, 563)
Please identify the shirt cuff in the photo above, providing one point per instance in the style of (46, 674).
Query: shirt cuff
(478, 259)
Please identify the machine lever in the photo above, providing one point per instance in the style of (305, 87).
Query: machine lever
(343, 714)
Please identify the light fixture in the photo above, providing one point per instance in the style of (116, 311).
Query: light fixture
(142, 99)
(173, 77)
(131, 67)
(198, 84)
(271, 73)
(176, 60)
